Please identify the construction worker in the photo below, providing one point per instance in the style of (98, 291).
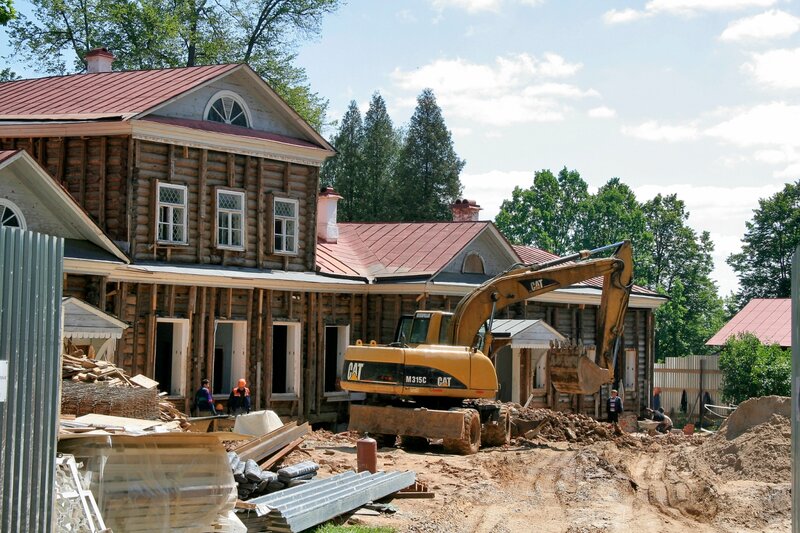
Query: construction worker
(239, 400)
(203, 400)
(614, 407)
(666, 422)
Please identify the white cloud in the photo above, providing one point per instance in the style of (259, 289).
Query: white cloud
(512, 90)
(654, 131)
(776, 68)
(681, 7)
(461, 132)
(602, 112)
(722, 211)
(776, 124)
(772, 24)
(476, 6)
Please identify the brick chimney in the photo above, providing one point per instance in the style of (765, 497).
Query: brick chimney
(327, 230)
(465, 211)
(99, 60)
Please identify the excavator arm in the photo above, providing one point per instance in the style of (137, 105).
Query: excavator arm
(571, 372)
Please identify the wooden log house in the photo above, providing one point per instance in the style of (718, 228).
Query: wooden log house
(209, 183)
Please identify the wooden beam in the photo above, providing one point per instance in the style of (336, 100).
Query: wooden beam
(311, 360)
(248, 357)
(62, 160)
(259, 335)
(320, 373)
(201, 338)
(170, 300)
(364, 317)
(192, 384)
(151, 332)
(101, 213)
(133, 173)
(83, 177)
(231, 169)
(211, 324)
(229, 303)
(171, 162)
(261, 216)
(136, 328)
(287, 172)
(201, 199)
(268, 348)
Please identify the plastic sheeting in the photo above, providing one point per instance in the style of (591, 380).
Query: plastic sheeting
(257, 423)
(163, 482)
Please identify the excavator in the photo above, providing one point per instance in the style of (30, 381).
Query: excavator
(434, 381)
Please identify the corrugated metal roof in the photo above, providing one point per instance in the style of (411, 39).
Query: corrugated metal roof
(395, 248)
(769, 319)
(106, 94)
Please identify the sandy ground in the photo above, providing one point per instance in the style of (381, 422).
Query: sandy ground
(670, 484)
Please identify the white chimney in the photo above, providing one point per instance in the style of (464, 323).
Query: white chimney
(465, 211)
(327, 230)
(99, 60)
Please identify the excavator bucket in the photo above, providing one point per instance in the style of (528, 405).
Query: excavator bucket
(571, 372)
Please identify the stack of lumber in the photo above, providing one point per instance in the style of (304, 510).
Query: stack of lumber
(157, 482)
(100, 387)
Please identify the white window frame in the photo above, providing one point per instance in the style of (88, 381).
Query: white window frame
(230, 212)
(17, 212)
(294, 339)
(180, 351)
(296, 221)
(233, 96)
(169, 223)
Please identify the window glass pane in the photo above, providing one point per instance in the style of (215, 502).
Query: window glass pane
(419, 330)
(236, 221)
(284, 209)
(8, 219)
(163, 231)
(170, 195)
(222, 237)
(290, 228)
(230, 201)
(177, 215)
(278, 243)
(177, 233)
(236, 237)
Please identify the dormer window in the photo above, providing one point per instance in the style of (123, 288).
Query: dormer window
(473, 264)
(229, 108)
(10, 215)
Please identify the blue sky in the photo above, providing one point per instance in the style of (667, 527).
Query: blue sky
(697, 97)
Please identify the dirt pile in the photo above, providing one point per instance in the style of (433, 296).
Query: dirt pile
(754, 443)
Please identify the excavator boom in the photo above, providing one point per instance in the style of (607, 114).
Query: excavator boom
(570, 371)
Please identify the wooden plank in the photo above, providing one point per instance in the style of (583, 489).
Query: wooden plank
(82, 179)
(253, 443)
(201, 340)
(170, 300)
(201, 200)
(143, 381)
(192, 385)
(151, 331)
(269, 463)
(287, 172)
(271, 444)
(268, 348)
(212, 314)
(231, 169)
(229, 303)
(248, 357)
(261, 218)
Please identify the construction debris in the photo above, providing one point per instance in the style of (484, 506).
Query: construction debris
(74, 505)
(261, 448)
(99, 387)
(299, 508)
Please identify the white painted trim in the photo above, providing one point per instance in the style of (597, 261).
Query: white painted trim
(241, 212)
(180, 354)
(233, 96)
(238, 353)
(179, 135)
(4, 202)
(296, 221)
(294, 342)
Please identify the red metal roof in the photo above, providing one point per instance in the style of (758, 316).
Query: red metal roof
(768, 319)
(219, 127)
(106, 94)
(386, 249)
(5, 154)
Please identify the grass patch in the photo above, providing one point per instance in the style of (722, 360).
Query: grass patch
(330, 528)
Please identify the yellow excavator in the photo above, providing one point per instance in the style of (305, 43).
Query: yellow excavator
(433, 381)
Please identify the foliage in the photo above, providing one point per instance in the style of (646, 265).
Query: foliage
(344, 171)
(679, 265)
(7, 74)
(7, 11)
(380, 149)
(751, 369)
(427, 179)
(546, 214)
(145, 34)
(764, 265)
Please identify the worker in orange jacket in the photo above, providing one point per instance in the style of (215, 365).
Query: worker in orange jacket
(239, 400)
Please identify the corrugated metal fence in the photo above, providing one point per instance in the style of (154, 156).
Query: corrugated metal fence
(683, 374)
(31, 268)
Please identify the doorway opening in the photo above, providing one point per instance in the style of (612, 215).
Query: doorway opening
(286, 358)
(172, 346)
(336, 339)
(230, 342)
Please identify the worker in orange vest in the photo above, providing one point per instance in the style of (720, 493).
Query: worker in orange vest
(239, 400)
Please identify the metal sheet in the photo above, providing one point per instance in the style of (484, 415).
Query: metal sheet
(796, 391)
(30, 339)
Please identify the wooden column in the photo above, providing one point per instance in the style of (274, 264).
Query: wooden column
(101, 213)
(210, 325)
(364, 317)
(200, 351)
(202, 172)
(261, 216)
(82, 180)
(311, 360)
(149, 370)
(268, 355)
(192, 384)
(320, 328)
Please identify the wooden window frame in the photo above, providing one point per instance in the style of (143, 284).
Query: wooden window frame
(276, 218)
(185, 220)
(243, 195)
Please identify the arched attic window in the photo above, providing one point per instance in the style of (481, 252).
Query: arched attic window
(10, 215)
(229, 108)
(473, 264)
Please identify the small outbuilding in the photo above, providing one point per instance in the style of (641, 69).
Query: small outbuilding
(91, 329)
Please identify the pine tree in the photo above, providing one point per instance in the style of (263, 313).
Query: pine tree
(344, 171)
(427, 180)
(381, 147)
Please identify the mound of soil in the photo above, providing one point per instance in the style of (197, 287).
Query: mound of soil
(754, 443)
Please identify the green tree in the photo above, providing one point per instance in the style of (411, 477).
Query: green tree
(764, 265)
(546, 214)
(751, 369)
(7, 11)
(427, 179)
(381, 148)
(7, 74)
(679, 266)
(344, 171)
(146, 34)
